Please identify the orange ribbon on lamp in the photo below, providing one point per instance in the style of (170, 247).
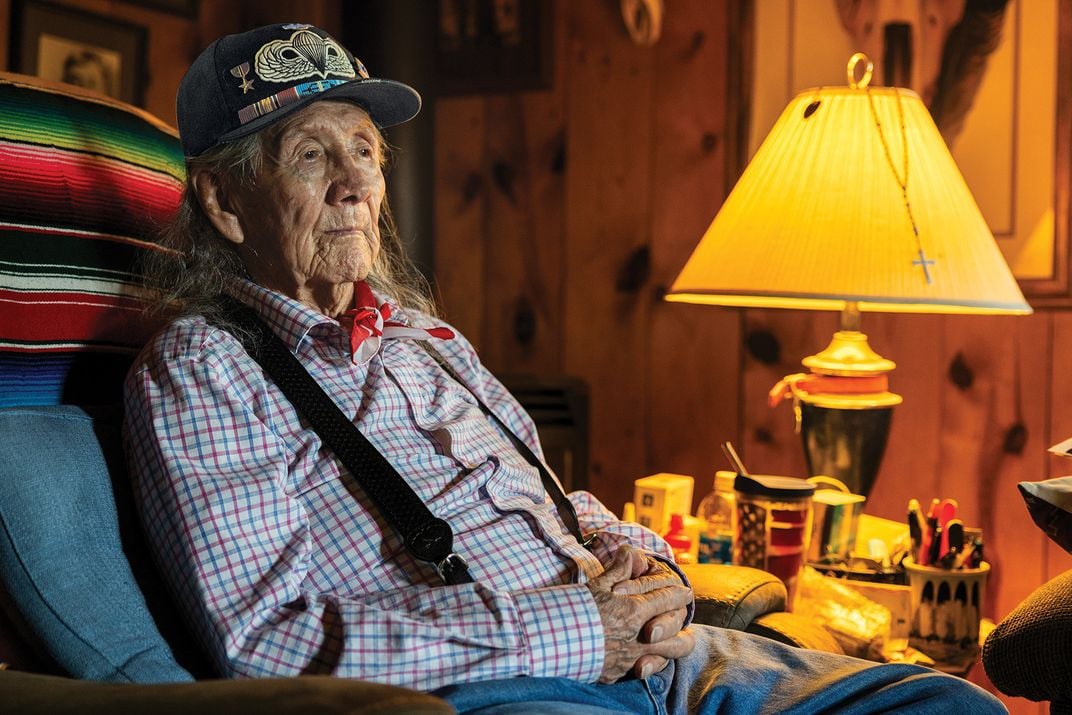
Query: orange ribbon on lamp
(810, 384)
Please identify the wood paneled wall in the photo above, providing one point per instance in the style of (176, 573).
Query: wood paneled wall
(564, 214)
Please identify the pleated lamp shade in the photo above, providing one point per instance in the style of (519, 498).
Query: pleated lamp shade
(819, 220)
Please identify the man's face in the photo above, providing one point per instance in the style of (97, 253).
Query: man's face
(310, 222)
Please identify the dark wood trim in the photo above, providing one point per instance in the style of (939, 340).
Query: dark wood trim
(741, 18)
(1056, 291)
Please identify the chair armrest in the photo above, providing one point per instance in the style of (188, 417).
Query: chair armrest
(1029, 652)
(733, 596)
(748, 599)
(33, 694)
(791, 629)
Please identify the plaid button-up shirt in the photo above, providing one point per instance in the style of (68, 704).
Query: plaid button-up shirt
(284, 565)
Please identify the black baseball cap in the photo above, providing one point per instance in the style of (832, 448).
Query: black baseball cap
(243, 83)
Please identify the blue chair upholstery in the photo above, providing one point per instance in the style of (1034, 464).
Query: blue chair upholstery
(63, 561)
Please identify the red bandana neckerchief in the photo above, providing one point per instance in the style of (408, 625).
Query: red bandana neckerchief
(372, 323)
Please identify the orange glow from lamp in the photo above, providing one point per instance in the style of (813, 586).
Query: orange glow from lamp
(852, 203)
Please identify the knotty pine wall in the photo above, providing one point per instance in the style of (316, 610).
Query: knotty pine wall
(563, 215)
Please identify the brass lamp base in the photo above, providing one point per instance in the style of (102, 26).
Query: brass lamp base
(845, 433)
(847, 444)
(848, 355)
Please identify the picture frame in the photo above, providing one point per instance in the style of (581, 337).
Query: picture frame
(68, 45)
(1056, 291)
(183, 8)
(1016, 145)
(487, 46)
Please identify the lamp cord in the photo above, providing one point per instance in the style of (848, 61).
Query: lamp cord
(922, 261)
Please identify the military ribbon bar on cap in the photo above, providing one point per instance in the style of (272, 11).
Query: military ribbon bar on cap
(281, 99)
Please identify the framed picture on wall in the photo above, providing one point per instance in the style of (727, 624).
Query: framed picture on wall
(80, 48)
(485, 46)
(185, 8)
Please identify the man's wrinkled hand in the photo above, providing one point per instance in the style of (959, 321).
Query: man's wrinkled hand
(656, 574)
(642, 605)
(648, 573)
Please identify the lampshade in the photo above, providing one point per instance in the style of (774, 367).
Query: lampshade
(819, 218)
(853, 203)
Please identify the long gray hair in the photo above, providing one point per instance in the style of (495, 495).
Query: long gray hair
(190, 275)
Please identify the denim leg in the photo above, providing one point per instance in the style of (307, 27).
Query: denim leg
(556, 696)
(736, 672)
(733, 672)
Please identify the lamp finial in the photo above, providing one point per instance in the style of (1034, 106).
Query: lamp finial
(855, 61)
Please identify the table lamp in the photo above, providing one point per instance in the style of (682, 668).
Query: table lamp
(852, 203)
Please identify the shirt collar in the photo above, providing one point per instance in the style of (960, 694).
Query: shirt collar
(291, 319)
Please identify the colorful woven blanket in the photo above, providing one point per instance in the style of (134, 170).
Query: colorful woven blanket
(85, 184)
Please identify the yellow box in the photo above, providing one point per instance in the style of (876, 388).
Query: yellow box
(659, 496)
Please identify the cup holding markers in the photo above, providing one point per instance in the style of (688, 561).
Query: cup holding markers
(947, 577)
(947, 606)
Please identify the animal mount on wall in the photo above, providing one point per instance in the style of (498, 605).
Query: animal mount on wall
(943, 44)
(644, 20)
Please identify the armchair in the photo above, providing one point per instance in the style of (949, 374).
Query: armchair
(85, 624)
(1028, 654)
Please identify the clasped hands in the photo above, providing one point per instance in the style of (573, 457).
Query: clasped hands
(642, 604)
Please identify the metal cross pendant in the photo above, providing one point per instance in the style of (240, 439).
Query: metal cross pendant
(923, 262)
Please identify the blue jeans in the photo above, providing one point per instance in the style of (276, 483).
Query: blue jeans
(736, 672)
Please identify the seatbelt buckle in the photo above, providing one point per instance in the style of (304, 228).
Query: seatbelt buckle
(453, 570)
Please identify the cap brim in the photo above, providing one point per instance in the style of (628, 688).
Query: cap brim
(387, 102)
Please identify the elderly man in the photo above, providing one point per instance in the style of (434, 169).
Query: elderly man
(282, 560)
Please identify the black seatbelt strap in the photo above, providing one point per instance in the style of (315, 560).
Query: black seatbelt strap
(565, 508)
(425, 536)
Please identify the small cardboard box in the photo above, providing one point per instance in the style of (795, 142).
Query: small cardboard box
(659, 496)
(896, 598)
